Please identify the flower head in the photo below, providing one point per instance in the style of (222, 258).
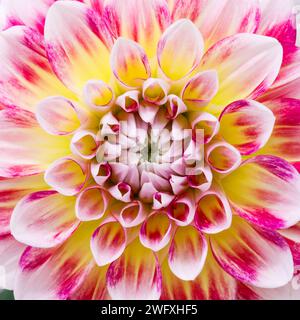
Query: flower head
(149, 149)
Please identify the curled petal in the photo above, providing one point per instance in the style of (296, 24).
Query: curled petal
(129, 63)
(122, 191)
(155, 91)
(187, 253)
(28, 149)
(180, 49)
(175, 106)
(247, 66)
(75, 39)
(131, 214)
(60, 116)
(98, 95)
(205, 126)
(67, 176)
(201, 181)
(182, 210)
(178, 184)
(225, 17)
(91, 204)
(247, 125)
(135, 276)
(265, 190)
(162, 200)
(129, 101)
(148, 19)
(84, 144)
(213, 212)
(284, 141)
(108, 242)
(223, 157)
(44, 219)
(101, 172)
(155, 232)
(148, 112)
(199, 91)
(255, 256)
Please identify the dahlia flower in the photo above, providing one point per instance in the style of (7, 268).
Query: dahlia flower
(149, 149)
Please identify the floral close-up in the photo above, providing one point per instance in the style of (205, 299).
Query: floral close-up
(150, 149)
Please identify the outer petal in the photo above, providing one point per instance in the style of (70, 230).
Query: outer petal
(187, 253)
(254, 256)
(292, 233)
(10, 252)
(288, 80)
(76, 37)
(58, 273)
(26, 76)
(25, 148)
(180, 49)
(135, 275)
(67, 176)
(284, 141)
(148, 18)
(44, 219)
(226, 18)
(213, 283)
(11, 192)
(265, 190)
(30, 13)
(247, 125)
(247, 65)
(278, 20)
(129, 63)
(108, 242)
